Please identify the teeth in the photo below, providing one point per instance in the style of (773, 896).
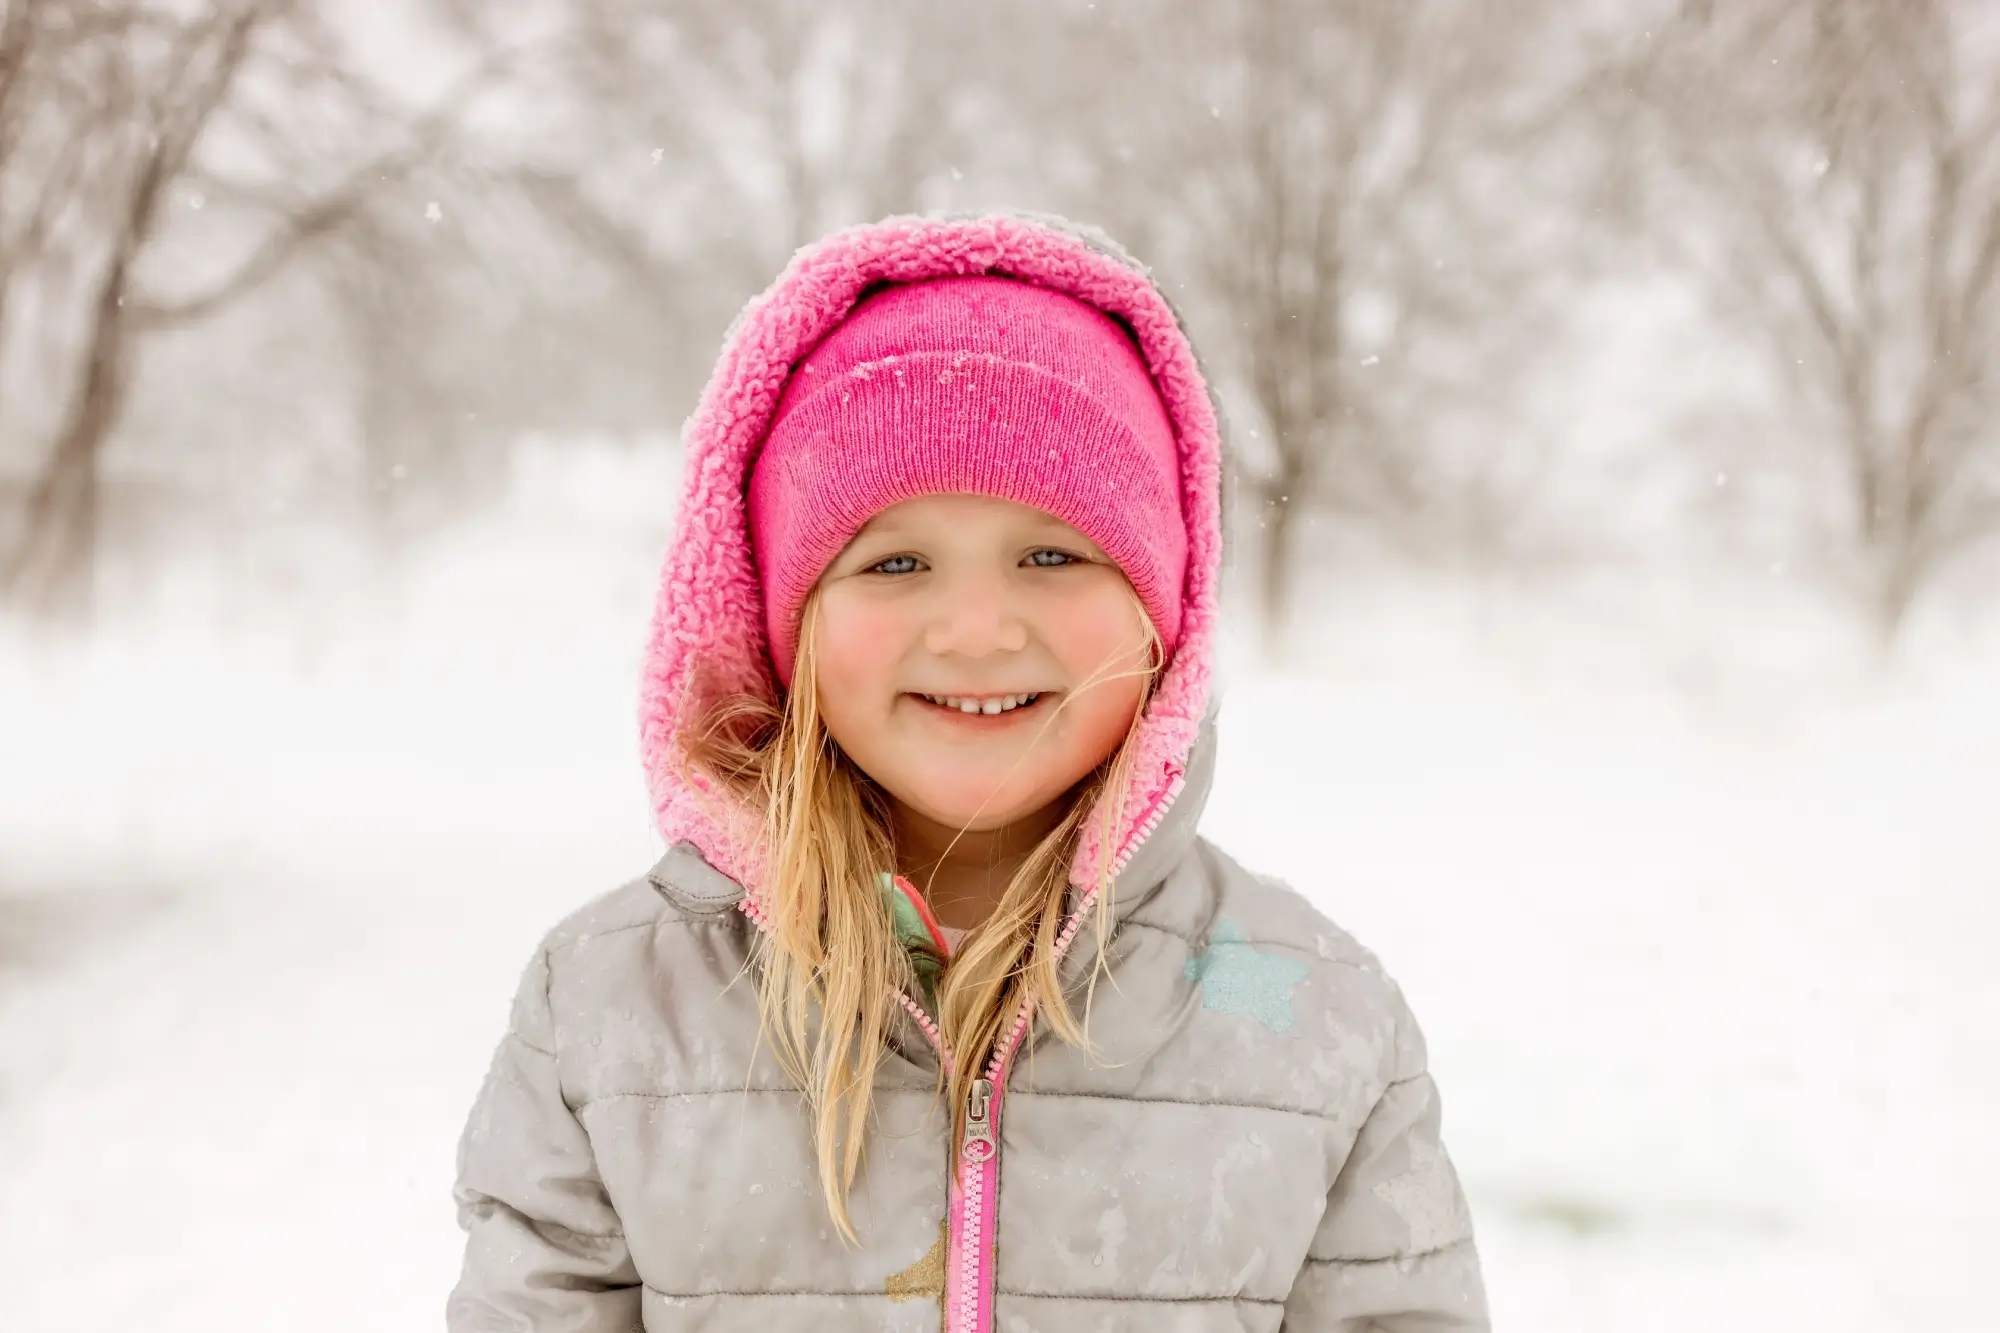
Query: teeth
(1004, 704)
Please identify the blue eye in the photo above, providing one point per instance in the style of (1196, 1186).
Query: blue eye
(896, 560)
(1062, 558)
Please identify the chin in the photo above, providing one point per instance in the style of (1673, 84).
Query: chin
(970, 810)
(975, 820)
(986, 823)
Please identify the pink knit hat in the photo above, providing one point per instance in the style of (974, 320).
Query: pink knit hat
(981, 385)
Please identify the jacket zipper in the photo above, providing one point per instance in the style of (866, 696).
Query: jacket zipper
(969, 1261)
(968, 1298)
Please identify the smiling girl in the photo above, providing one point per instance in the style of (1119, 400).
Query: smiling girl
(937, 1011)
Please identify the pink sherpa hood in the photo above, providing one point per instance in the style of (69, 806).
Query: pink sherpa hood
(708, 628)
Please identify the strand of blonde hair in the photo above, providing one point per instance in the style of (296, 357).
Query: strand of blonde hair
(829, 964)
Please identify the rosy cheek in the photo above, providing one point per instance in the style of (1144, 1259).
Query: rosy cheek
(859, 644)
(1095, 635)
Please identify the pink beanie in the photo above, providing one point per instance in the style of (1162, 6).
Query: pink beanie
(981, 385)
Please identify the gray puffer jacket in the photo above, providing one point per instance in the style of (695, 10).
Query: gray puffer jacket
(1253, 1143)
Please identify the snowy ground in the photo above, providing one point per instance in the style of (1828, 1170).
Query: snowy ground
(1707, 978)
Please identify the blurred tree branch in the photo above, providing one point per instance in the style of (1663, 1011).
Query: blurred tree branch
(306, 221)
(769, 121)
(50, 561)
(1330, 175)
(1830, 172)
(158, 85)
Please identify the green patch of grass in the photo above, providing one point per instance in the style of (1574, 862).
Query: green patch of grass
(1578, 1217)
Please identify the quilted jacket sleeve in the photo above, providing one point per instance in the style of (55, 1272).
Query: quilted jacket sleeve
(544, 1250)
(1394, 1251)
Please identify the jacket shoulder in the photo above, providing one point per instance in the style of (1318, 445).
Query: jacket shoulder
(617, 938)
(1270, 911)
(1214, 898)
(679, 889)
(630, 905)
(623, 993)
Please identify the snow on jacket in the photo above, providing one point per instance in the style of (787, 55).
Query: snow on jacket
(1254, 1143)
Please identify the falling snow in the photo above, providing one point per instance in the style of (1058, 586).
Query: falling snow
(1699, 984)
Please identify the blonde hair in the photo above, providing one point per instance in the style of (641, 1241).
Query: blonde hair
(830, 948)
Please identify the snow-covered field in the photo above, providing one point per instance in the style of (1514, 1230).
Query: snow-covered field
(1707, 976)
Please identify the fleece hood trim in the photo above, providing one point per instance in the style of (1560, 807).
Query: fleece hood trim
(708, 634)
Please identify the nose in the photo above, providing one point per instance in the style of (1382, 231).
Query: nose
(974, 617)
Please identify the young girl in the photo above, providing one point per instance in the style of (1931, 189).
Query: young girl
(937, 1012)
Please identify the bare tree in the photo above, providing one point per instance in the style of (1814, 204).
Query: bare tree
(767, 123)
(1343, 184)
(122, 100)
(1830, 172)
(488, 300)
(147, 123)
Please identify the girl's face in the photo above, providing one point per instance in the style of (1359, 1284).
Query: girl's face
(950, 601)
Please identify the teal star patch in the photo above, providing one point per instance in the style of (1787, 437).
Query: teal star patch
(1236, 979)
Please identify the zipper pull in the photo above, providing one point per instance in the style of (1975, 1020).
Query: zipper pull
(978, 1145)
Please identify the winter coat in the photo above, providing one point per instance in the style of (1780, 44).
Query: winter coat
(1251, 1143)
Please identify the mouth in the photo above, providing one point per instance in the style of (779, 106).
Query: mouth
(983, 709)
